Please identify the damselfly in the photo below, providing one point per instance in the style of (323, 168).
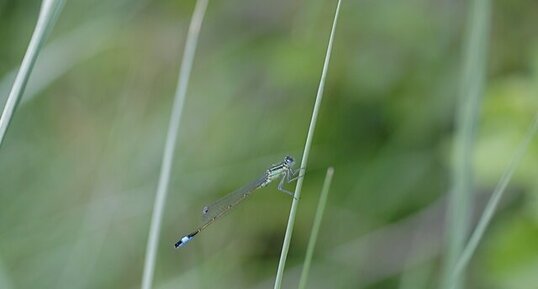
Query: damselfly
(214, 211)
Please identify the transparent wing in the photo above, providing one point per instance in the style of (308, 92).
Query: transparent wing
(220, 207)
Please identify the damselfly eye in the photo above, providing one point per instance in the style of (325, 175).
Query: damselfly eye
(289, 160)
(205, 210)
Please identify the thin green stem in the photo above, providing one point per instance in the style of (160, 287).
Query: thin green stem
(171, 139)
(306, 152)
(62, 54)
(315, 228)
(50, 9)
(470, 94)
(492, 204)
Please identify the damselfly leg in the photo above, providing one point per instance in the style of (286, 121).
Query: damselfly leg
(294, 175)
(288, 177)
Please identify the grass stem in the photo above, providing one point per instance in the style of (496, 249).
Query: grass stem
(315, 228)
(491, 206)
(171, 139)
(306, 152)
(50, 9)
(470, 95)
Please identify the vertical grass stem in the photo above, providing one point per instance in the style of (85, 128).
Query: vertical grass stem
(470, 95)
(306, 152)
(171, 139)
(315, 228)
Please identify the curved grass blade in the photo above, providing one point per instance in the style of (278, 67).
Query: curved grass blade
(50, 9)
(492, 204)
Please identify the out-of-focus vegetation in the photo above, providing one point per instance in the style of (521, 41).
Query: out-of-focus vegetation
(79, 165)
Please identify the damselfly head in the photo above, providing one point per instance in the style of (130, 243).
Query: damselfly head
(289, 160)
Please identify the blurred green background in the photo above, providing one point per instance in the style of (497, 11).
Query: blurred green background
(80, 163)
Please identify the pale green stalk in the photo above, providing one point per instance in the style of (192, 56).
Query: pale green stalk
(491, 206)
(63, 54)
(50, 9)
(470, 94)
(306, 152)
(171, 139)
(72, 48)
(315, 228)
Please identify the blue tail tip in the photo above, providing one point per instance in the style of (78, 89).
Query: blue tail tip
(184, 240)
